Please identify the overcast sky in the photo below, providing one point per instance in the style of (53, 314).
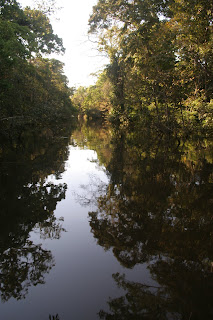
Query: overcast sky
(81, 57)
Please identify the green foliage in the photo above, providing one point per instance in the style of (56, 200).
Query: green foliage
(30, 31)
(160, 56)
(95, 101)
(33, 90)
(43, 40)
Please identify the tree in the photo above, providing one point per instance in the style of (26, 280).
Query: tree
(160, 57)
(33, 89)
(95, 101)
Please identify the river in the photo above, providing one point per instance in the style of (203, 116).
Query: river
(106, 224)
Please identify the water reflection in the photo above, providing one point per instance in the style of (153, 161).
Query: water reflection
(149, 199)
(51, 228)
(157, 209)
(22, 267)
(54, 317)
(28, 202)
(140, 302)
(184, 292)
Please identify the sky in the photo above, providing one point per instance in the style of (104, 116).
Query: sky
(81, 57)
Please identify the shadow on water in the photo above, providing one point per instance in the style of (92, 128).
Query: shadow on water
(156, 209)
(28, 202)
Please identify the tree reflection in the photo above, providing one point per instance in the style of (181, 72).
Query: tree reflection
(28, 202)
(54, 317)
(34, 204)
(157, 209)
(156, 203)
(140, 302)
(50, 228)
(184, 292)
(23, 267)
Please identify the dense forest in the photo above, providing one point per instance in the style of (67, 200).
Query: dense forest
(160, 71)
(33, 89)
(144, 192)
(161, 64)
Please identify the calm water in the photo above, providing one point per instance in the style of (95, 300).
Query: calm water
(106, 224)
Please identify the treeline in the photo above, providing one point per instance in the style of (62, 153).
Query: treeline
(94, 102)
(161, 61)
(33, 89)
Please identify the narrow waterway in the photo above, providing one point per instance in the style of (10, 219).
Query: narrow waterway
(94, 226)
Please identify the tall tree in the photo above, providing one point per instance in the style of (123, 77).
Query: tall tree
(31, 87)
(160, 53)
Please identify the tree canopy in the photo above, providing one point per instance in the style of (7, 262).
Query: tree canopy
(32, 88)
(160, 57)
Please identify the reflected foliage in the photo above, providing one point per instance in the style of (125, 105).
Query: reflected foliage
(23, 267)
(157, 201)
(179, 297)
(160, 61)
(157, 209)
(54, 317)
(28, 201)
(51, 228)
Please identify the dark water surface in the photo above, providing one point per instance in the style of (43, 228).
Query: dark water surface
(106, 224)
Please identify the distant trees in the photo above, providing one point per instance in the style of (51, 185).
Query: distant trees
(95, 101)
(31, 87)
